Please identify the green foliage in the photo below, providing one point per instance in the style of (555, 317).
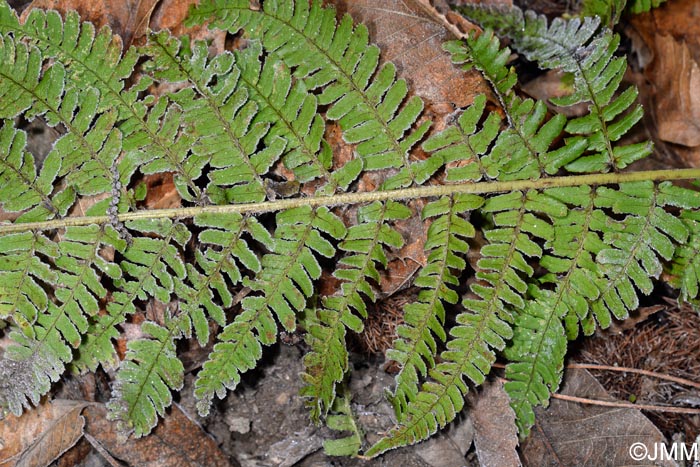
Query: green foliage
(610, 11)
(557, 254)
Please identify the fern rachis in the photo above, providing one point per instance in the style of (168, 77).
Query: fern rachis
(598, 238)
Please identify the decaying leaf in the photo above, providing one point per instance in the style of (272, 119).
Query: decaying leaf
(40, 436)
(569, 433)
(496, 437)
(177, 441)
(677, 96)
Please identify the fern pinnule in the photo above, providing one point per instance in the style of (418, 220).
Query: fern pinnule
(417, 343)
(146, 377)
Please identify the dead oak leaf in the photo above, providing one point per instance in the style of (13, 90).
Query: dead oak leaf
(677, 95)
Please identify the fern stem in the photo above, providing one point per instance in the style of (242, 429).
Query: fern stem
(358, 198)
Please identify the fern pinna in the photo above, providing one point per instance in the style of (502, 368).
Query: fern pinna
(569, 241)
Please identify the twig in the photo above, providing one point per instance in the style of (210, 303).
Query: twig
(100, 449)
(626, 405)
(589, 366)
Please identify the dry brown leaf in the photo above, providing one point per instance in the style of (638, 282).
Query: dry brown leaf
(128, 18)
(411, 35)
(131, 19)
(569, 433)
(40, 436)
(676, 77)
(496, 437)
(176, 441)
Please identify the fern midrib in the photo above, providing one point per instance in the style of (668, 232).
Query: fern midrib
(394, 140)
(71, 58)
(366, 197)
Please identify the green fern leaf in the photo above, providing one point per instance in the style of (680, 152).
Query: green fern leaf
(416, 347)
(536, 353)
(146, 377)
(685, 268)
(327, 363)
(59, 324)
(21, 187)
(285, 282)
(572, 47)
(339, 59)
(525, 149)
(216, 269)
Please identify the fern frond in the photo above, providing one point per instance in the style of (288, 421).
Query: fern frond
(284, 283)
(23, 266)
(648, 231)
(91, 60)
(525, 149)
(61, 322)
(343, 420)
(216, 269)
(461, 147)
(21, 187)
(219, 113)
(151, 267)
(487, 325)
(685, 268)
(536, 354)
(149, 372)
(95, 63)
(416, 346)
(573, 47)
(338, 59)
(327, 363)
